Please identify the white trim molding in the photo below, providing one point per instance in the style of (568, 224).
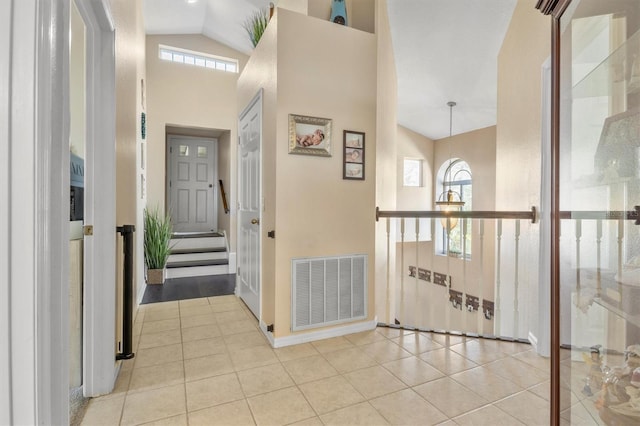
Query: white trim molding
(99, 363)
(51, 194)
(6, 385)
(296, 339)
(233, 263)
(34, 214)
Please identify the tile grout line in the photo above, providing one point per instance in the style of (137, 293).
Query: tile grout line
(184, 369)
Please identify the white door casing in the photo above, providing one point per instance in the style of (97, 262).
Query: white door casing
(249, 204)
(191, 183)
(100, 197)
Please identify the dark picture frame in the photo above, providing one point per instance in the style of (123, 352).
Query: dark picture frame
(353, 155)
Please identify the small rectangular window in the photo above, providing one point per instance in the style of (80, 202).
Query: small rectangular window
(200, 59)
(412, 172)
(202, 151)
(184, 151)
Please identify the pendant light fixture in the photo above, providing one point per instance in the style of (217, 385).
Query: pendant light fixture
(449, 200)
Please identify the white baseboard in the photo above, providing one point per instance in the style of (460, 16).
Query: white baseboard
(233, 266)
(312, 336)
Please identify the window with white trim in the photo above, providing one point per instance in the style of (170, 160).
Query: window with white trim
(198, 59)
(455, 175)
(412, 173)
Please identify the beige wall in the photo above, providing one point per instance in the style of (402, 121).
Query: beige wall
(130, 70)
(319, 213)
(188, 96)
(386, 157)
(418, 147)
(301, 188)
(360, 13)
(518, 145)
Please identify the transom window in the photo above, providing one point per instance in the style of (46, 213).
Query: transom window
(198, 59)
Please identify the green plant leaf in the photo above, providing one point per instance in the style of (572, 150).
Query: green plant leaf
(157, 236)
(256, 24)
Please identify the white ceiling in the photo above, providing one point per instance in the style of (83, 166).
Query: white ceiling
(445, 50)
(220, 20)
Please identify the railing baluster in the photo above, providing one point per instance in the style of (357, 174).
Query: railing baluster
(424, 294)
(516, 283)
(498, 316)
(447, 279)
(464, 275)
(417, 298)
(620, 257)
(598, 256)
(578, 241)
(481, 283)
(402, 318)
(620, 246)
(432, 255)
(388, 313)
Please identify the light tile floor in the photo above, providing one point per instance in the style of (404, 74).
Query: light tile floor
(205, 362)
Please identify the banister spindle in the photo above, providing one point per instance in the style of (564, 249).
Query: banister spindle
(578, 241)
(402, 319)
(598, 256)
(416, 312)
(516, 282)
(464, 300)
(388, 307)
(431, 315)
(481, 283)
(498, 315)
(620, 246)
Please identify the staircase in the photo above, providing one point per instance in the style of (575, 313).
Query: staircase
(195, 254)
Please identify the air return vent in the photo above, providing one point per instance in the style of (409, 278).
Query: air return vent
(328, 290)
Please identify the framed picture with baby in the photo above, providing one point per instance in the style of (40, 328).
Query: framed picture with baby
(309, 135)
(353, 155)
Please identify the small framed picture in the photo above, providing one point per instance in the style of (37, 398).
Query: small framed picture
(353, 155)
(309, 135)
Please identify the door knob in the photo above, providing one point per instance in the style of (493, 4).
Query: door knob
(255, 221)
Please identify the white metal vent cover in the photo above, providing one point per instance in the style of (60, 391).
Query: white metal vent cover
(328, 290)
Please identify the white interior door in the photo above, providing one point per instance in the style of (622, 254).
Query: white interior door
(191, 189)
(249, 196)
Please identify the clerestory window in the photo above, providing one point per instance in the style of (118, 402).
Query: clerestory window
(198, 59)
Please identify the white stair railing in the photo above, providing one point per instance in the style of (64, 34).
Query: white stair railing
(454, 279)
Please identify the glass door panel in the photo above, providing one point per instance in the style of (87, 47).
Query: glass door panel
(599, 183)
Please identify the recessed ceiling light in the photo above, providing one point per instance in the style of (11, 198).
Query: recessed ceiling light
(191, 1)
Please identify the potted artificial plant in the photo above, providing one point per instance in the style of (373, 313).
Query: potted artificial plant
(157, 235)
(256, 24)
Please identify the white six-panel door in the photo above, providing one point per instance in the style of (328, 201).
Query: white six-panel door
(249, 196)
(191, 183)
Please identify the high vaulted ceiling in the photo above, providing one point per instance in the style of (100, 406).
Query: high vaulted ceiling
(445, 50)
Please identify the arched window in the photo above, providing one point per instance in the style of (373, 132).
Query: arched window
(455, 175)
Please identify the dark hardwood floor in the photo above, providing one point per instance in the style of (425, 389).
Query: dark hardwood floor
(190, 288)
